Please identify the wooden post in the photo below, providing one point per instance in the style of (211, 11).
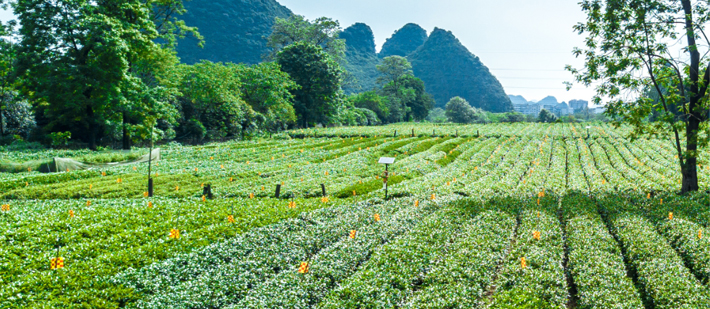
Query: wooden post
(395, 133)
(278, 191)
(412, 132)
(322, 186)
(150, 187)
(207, 191)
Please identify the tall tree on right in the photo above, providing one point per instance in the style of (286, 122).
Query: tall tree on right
(627, 51)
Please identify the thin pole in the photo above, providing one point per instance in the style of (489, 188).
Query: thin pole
(150, 163)
(387, 174)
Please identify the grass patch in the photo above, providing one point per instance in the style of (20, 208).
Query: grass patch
(14, 167)
(367, 186)
(452, 153)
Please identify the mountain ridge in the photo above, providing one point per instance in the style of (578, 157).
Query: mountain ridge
(233, 31)
(449, 69)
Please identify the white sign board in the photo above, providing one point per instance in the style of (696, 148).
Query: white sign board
(385, 160)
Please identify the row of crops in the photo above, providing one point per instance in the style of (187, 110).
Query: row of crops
(492, 216)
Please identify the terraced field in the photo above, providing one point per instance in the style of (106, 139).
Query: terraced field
(494, 216)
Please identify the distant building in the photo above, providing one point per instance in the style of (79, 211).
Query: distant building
(549, 103)
(559, 109)
(527, 109)
(579, 105)
(597, 110)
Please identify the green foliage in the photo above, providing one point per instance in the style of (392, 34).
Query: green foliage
(513, 117)
(371, 101)
(8, 54)
(392, 69)
(318, 77)
(367, 186)
(542, 283)
(419, 102)
(60, 138)
(661, 272)
(380, 283)
(434, 61)
(17, 115)
(589, 239)
(408, 99)
(268, 91)
(226, 100)
(520, 299)
(165, 15)
(437, 115)
(546, 116)
(458, 283)
(323, 32)
(81, 69)
(459, 110)
(211, 102)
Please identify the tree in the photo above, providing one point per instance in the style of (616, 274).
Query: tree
(7, 58)
(17, 116)
(407, 95)
(78, 54)
(164, 17)
(628, 50)
(210, 103)
(419, 105)
(268, 91)
(323, 32)
(372, 101)
(459, 110)
(513, 117)
(437, 115)
(318, 77)
(546, 116)
(392, 69)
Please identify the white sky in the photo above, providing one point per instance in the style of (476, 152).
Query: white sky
(525, 43)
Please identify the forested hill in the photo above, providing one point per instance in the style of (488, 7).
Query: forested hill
(361, 58)
(404, 41)
(234, 30)
(448, 69)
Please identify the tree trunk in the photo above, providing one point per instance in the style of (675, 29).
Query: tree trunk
(2, 103)
(690, 168)
(92, 128)
(92, 136)
(126, 137)
(2, 123)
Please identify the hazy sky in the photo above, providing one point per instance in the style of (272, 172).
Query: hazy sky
(525, 43)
